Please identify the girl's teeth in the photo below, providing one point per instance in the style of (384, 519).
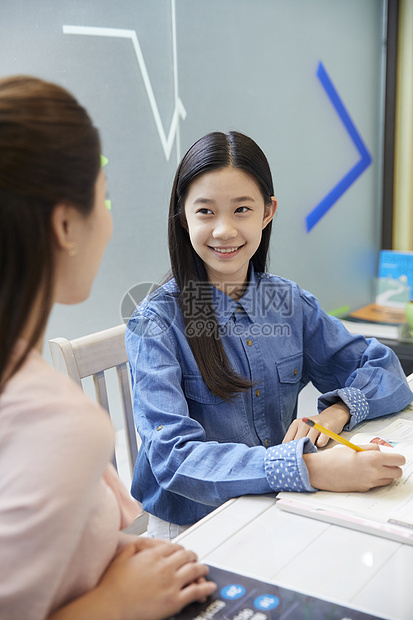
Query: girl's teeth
(226, 251)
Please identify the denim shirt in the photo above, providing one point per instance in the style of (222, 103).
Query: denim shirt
(198, 450)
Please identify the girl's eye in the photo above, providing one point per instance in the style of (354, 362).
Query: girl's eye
(204, 211)
(242, 210)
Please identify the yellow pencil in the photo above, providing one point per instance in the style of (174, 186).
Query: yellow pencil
(329, 433)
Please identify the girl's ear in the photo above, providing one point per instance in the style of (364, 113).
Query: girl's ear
(269, 212)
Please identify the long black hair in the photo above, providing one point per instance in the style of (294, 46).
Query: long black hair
(213, 151)
(49, 152)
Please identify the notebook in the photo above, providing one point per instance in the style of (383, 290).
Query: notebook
(384, 511)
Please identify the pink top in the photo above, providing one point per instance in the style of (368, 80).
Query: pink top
(62, 505)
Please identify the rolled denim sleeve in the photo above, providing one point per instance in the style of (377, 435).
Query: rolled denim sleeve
(377, 387)
(365, 374)
(355, 400)
(285, 467)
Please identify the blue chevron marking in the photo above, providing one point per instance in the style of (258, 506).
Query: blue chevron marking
(338, 190)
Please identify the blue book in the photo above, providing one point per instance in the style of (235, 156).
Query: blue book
(397, 265)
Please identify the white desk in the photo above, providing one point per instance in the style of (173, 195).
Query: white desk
(250, 535)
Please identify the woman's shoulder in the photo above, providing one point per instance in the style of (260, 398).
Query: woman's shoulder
(37, 377)
(40, 395)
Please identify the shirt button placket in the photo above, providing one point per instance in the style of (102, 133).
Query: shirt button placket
(257, 405)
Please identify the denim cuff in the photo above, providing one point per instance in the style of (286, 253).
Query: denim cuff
(355, 400)
(285, 467)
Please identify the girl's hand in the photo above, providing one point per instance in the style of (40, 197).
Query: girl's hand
(148, 580)
(343, 470)
(334, 418)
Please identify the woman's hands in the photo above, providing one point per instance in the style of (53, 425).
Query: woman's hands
(152, 579)
(148, 580)
(334, 418)
(343, 470)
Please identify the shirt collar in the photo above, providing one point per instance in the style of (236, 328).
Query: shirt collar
(225, 306)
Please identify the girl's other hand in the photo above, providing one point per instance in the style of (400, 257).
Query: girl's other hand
(344, 470)
(334, 418)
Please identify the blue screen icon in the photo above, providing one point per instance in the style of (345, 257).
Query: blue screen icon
(266, 601)
(233, 591)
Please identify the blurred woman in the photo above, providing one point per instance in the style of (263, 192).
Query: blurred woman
(62, 507)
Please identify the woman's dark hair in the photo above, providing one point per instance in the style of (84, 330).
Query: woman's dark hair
(49, 152)
(212, 152)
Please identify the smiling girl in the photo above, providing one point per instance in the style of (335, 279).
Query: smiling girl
(220, 352)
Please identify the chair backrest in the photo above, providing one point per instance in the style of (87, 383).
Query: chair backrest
(91, 356)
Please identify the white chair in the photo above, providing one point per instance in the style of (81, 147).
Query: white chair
(91, 356)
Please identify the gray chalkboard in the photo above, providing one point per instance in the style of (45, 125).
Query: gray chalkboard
(153, 70)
